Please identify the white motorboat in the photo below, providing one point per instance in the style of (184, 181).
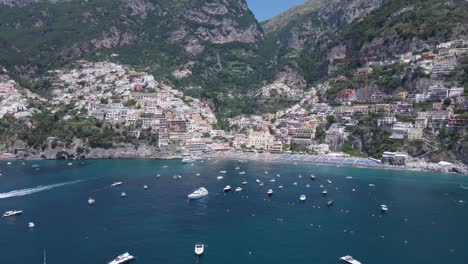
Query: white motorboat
(325, 192)
(31, 225)
(197, 174)
(312, 177)
(329, 182)
(124, 258)
(69, 163)
(199, 249)
(242, 173)
(261, 184)
(238, 189)
(272, 180)
(300, 176)
(227, 188)
(371, 185)
(12, 213)
(198, 193)
(158, 175)
(269, 192)
(116, 184)
(266, 172)
(244, 183)
(302, 198)
(349, 177)
(277, 175)
(295, 183)
(280, 187)
(223, 172)
(237, 168)
(145, 187)
(257, 181)
(350, 260)
(330, 203)
(321, 185)
(123, 194)
(219, 177)
(187, 160)
(91, 201)
(307, 185)
(384, 208)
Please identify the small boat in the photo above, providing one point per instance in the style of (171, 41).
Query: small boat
(353, 190)
(350, 260)
(300, 176)
(321, 185)
(69, 163)
(272, 180)
(329, 182)
(12, 213)
(349, 177)
(219, 177)
(91, 201)
(198, 193)
(223, 172)
(257, 181)
(244, 183)
(324, 192)
(312, 177)
(116, 184)
(199, 249)
(123, 194)
(165, 166)
(242, 173)
(31, 225)
(277, 175)
(238, 189)
(124, 258)
(197, 174)
(302, 198)
(187, 160)
(295, 183)
(266, 172)
(145, 187)
(227, 188)
(371, 185)
(237, 168)
(329, 203)
(384, 208)
(307, 185)
(280, 187)
(269, 192)
(158, 175)
(8, 163)
(261, 184)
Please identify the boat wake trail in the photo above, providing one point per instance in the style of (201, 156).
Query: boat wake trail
(464, 187)
(40, 188)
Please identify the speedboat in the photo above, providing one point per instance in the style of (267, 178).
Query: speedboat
(371, 185)
(272, 180)
(145, 187)
(257, 181)
(244, 183)
(198, 193)
(269, 192)
(277, 175)
(31, 225)
(295, 183)
(280, 187)
(197, 174)
(91, 201)
(199, 249)
(223, 172)
(12, 213)
(324, 192)
(350, 260)
(384, 208)
(69, 163)
(219, 177)
(302, 198)
(329, 182)
(242, 173)
(187, 160)
(116, 184)
(123, 194)
(238, 189)
(227, 188)
(312, 177)
(124, 258)
(329, 203)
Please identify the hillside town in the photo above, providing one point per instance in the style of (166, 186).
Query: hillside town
(136, 102)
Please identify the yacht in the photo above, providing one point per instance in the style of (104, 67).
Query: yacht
(199, 249)
(187, 160)
(116, 184)
(91, 201)
(384, 208)
(124, 258)
(12, 213)
(244, 183)
(219, 177)
(198, 193)
(227, 188)
(329, 203)
(145, 187)
(238, 189)
(350, 260)
(324, 192)
(302, 198)
(123, 194)
(269, 192)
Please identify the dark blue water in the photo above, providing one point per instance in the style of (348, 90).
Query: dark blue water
(427, 221)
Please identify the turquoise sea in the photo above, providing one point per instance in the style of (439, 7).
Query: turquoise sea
(427, 222)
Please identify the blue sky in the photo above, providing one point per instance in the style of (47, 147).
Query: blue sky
(265, 9)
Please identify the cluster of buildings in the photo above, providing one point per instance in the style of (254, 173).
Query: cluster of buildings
(14, 100)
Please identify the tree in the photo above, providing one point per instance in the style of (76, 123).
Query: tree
(447, 101)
